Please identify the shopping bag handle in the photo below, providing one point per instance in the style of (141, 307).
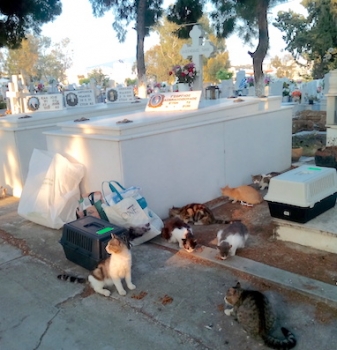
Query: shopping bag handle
(113, 188)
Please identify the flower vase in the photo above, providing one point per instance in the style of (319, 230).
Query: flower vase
(183, 87)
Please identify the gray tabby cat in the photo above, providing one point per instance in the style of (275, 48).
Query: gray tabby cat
(253, 311)
(231, 238)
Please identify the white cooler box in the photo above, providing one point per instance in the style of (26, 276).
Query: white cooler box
(302, 193)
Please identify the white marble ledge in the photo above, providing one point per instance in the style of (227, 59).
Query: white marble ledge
(219, 110)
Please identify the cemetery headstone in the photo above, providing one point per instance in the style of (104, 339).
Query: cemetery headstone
(240, 81)
(276, 88)
(200, 47)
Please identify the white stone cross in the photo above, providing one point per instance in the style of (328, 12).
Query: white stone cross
(196, 50)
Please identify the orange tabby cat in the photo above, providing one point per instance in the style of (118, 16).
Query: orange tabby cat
(247, 195)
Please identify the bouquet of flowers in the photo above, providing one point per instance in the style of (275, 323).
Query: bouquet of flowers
(296, 93)
(267, 80)
(250, 81)
(184, 74)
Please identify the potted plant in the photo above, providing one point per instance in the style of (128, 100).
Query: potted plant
(285, 95)
(326, 156)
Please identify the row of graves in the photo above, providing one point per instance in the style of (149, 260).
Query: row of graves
(25, 98)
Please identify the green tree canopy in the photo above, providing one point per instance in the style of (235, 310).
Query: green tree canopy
(20, 17)
(38, 59)
(310, 37)
(144, 13)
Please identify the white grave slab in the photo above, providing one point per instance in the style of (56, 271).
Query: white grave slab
(120, 95)
(21, 133)
(79, 98)
(276, 88)
(240, 80)
(174, 101)
(43, 103)
(171, 154)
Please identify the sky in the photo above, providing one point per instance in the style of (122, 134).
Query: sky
(94, 42)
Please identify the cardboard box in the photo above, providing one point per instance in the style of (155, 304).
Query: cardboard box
(84, 240)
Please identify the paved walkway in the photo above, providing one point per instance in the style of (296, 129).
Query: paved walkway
(178, 303)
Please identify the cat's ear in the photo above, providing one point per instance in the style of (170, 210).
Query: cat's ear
(238, 285)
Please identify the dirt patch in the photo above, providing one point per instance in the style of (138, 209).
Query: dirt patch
(263, 247)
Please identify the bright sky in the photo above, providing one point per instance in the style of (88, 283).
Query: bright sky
(94, 41)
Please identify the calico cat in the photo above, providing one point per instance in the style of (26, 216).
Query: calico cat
(194, 213)
(247, 195)
(110, 271)
(263, 179)
(253, 310)
(176, 230)
(231, 238)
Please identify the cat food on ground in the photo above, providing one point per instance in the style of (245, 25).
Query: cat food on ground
(139, 296)
(166, 299)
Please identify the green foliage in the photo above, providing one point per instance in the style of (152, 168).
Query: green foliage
(310, 37)
(145, 14)
(129, 81)
(20, 17)
(84, 81)
(38, 59)
(100, 78)
(3, 105)
(223, 74)
(185, 13)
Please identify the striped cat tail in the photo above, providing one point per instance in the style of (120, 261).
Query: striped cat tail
(286, 344)
(72, 279)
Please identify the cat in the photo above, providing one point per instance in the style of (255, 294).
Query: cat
(231, 238)
(247, 195)
(195, 213)
(176, 230)
(135, 232)
(253, 311)
(263, 179)
(110, 271)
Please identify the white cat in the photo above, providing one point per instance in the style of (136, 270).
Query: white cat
(177, 231)
(231, 238)
(110, 271)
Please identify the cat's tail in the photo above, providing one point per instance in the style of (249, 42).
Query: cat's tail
(288, 343)
(72, 279)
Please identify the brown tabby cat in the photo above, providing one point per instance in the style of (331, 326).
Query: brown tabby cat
(247, 195)
(253, 310)
(110, 271)
(195, 213)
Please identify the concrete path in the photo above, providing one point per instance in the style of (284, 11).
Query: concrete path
(178, 302)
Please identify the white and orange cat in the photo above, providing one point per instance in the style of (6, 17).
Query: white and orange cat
(110, 271)
(176, 230)
(244, 194)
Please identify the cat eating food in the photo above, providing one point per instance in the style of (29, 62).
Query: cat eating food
(253, 311)
(110, 271)
(176, 230)
(195, 213)
(263, 179)
(231, 238)
(245, 194)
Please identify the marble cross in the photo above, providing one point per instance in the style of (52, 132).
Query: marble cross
(197, 50)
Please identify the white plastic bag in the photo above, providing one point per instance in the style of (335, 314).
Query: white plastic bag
(128, 208)
(51, 191)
